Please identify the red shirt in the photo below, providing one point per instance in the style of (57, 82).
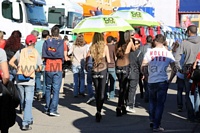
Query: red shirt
(2, 43)
(53, 65)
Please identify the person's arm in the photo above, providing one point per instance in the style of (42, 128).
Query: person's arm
(4, 68)
(71, 50)
(140, 58)
(178, 55)
(144, 66)
(12, 62)
(131, 43)
(107, 53)
(39, 63)
(195, 63)
(173, 71)
(65, 52)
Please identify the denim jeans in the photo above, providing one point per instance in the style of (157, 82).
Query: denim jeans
(157, 98)
(22, 95)
(133, 84)
(28, 92)
(12, 73)
(146, 93)
(79, 79)
(197, 100)
(53, 82)
(112, 78)
(180, 88)
(89, 82)
(188, 102)
(40, 87)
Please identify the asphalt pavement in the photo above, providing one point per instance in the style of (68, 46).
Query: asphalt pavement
(79, 117)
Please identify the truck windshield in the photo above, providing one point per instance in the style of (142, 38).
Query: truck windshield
(73, 19)
(35, 14)
(54, 15)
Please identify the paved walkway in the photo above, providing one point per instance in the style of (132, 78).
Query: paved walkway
(78, 117)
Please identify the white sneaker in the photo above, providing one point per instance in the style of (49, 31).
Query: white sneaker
(129, 109)
(90, 100)
(54, 114)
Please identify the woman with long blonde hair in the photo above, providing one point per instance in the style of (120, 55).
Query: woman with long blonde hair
(123, 48)
(100, 55)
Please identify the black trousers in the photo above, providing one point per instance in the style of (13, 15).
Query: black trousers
(122, 75)
(99, 80)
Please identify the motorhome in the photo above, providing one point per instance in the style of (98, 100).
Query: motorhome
(64, 13)
(22, 15)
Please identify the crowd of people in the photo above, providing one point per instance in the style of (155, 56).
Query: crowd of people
(101, 63)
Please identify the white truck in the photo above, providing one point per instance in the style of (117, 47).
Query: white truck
(22, 15)
(64, 13)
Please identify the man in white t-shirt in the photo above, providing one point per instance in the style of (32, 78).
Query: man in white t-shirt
(158, 59)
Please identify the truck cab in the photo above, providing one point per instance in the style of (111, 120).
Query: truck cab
(65, 14)
(22, 15)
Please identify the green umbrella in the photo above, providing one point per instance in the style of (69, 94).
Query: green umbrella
(102, 23)
(137, 18)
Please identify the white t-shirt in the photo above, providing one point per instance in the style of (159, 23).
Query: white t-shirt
(158, 61)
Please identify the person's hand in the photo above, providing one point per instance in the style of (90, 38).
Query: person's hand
(169, 81)
(143, 77)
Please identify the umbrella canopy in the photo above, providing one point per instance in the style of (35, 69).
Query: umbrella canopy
(136, 17)
(102, 23)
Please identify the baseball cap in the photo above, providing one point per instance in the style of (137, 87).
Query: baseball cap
(31, 39)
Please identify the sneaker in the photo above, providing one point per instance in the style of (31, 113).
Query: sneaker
(82, 94)
(180, 110)
(54, 114)
(160, 129)
(26, 127)
(151, 124)
(129, 109)
(90, 100)
(46, 112)
(39, 96)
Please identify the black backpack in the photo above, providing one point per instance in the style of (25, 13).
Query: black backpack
(9, 100)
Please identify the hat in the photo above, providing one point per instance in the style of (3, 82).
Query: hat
(3, 32)
(31, 39)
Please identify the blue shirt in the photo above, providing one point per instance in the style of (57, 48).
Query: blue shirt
(38, 46)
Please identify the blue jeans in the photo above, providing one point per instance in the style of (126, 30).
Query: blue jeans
(28, 92)
(53, 83)
(180, 88)
(188, 102)
(79, 79)
(112, 78)
(89, 82)
(146, 93)
(157, 98)
(12, 73)
(40, 87)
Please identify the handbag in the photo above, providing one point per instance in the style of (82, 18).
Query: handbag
(21, 77)
(195, 76)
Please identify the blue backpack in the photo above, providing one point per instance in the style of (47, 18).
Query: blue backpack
(53, 49)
